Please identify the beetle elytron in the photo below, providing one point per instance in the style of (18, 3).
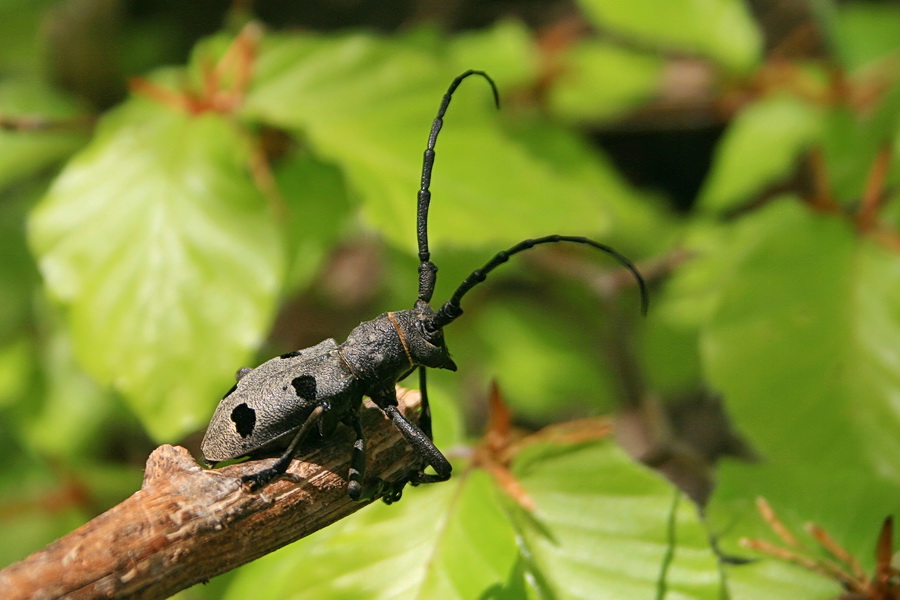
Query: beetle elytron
(273, 407)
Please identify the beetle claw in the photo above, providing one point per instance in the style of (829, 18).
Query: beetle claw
(253, 482)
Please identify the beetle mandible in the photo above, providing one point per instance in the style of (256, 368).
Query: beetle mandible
(273, 407)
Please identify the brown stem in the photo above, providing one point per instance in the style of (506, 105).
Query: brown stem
(873, 195)
(187, 524)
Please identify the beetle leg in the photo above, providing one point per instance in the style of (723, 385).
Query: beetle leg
(257, 480)
(358, 459)
(425, 414)
(387, 401)
(422, 445)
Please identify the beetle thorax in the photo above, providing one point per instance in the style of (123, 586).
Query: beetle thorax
(385, 349)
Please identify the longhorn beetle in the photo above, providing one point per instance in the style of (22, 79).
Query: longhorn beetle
(273, 407)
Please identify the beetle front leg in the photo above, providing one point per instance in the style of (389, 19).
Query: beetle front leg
(421, 443)
(423, 446)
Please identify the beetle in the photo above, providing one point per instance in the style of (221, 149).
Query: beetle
(271, 409)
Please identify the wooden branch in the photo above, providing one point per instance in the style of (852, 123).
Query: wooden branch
(188, 524)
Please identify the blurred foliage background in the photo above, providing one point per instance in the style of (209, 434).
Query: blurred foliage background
(188, 188)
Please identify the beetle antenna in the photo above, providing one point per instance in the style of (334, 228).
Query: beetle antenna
(452, 309)
(427, 269)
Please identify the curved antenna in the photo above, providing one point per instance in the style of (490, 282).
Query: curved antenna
(452, 309)
(427, 269)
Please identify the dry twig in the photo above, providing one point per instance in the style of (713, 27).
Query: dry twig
(187, 524)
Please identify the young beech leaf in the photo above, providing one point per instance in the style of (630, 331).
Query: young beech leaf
(25, 152)
(367, 104)
(162, 249)
(720, 29)
(448, 541)
(604, 528)
(761, 146)
(603, 80)
(804, 346)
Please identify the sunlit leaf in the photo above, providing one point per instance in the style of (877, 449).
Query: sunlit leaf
(805, 348)
(720, 29)
(602, 80)
(315, 198)
(157, 241)
(761, 147)
(640, 222)
(538, 359)
(602, 529)
(367, 104)
(505, 51)
(446, 541)
(767, 578)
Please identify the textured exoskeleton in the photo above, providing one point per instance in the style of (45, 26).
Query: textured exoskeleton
(318, 387)
(275, 406)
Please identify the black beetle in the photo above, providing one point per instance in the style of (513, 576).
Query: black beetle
(273, 407)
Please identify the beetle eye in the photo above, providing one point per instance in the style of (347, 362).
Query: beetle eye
(429, 332)
(430, 329)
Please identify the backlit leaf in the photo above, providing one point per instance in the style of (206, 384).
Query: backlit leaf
(446, 541)
(720, 29)
(602, 529)
(367, 104)
(157, 242)
(762, 146)
(805, 348)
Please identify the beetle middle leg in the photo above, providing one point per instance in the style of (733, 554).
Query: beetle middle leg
(357, 473)
(257, 480)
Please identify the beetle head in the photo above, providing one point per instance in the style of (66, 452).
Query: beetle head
(426, 344)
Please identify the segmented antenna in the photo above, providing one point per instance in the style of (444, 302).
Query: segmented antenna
(427, 269)
(452, 309)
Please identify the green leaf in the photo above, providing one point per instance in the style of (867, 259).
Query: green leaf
(63, 412)
(767, 578)
(315, 195)
(690, 296)
(761, 146)
(602, 529)
(640, 223)
(506, 51)
(17, 366)
(42, 502)
(602, 80)
(853, 139)
(19, 22)
(161, 247)
(804, 347)
(26, 152)
(18, 273)
(367, 104)
(538, 358)
(720, 29)
(447, 541)
(865, 32)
